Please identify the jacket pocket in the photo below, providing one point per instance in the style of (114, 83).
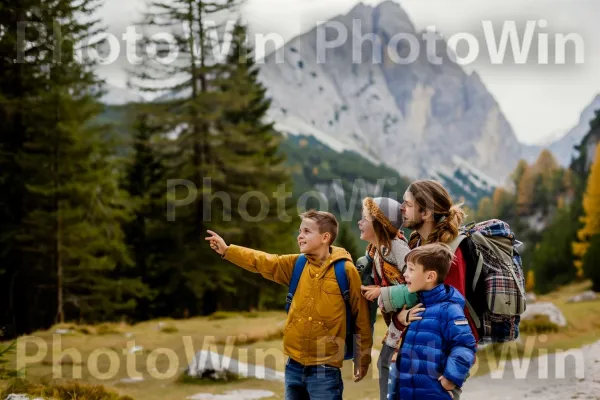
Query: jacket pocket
(330, 306)
(331, 287)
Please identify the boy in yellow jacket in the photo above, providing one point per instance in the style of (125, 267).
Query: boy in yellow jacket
(315, 331)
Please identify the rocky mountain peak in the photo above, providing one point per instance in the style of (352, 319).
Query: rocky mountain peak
(392, 15)
(361, 10)
(413, 115)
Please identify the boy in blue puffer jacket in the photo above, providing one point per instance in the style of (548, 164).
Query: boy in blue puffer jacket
(438, 350)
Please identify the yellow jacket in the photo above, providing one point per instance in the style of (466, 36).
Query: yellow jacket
(315, 329)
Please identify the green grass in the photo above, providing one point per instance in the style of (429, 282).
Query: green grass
(254, 338)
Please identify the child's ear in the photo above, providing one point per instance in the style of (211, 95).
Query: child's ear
(431, 276)
(326, 237)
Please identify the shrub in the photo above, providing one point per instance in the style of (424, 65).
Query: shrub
(62, 391)
(169, 329)
(5, 351)
(108, 329)
(218, 315)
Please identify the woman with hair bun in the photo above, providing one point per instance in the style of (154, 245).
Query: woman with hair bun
(381, 225)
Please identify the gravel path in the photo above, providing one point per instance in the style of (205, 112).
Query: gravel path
(568, 375)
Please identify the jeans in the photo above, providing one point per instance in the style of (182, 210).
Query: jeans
(315, 382)
(385, 359)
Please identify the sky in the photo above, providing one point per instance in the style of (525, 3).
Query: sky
(539, 101)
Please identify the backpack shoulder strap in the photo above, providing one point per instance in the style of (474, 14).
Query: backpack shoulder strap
(296, 274)
(339, 268)
(342, 279)
(478, 268)
(456, 242)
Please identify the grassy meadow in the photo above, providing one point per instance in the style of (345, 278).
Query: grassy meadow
(158, 351)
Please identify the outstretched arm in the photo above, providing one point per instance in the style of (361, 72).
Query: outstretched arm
(273, 267)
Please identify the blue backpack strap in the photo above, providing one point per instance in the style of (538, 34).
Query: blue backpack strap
(342, 280)
(296, 274)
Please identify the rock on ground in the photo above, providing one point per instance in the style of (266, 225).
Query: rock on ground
(207, 364)
(588, 295)
(545, 308)
(244, 394)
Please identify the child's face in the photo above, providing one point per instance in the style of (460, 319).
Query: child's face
(417, 279)
(367, 233)
(310, 240)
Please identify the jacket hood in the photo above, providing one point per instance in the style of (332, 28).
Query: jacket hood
(442, 293)
(337, 253)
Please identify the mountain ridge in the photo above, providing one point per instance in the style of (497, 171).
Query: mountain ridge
(413, 117)
(563, 147)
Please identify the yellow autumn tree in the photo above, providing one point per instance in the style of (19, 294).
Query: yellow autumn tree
(530, 281)
(486, 209)
(525, 190)
(548, 177)
(501, 200)
(518, 173)
(591, 216)
(545, 163)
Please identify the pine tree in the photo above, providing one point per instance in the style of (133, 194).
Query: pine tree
(569, 184)
(503, 204)
(225, 153)
(68, 234)
(248, 162)
(591, 217)
(591, 262)
(552, 260)
(518, 173)
(147, 234)
(248, 149)
(549, 181)
(188, 113)
(18, 84)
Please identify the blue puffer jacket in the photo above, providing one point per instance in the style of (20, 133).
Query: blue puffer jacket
(439, 344)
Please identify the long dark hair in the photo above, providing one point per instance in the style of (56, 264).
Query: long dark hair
(431, 195)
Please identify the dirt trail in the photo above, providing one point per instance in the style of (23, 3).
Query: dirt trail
(569, 375)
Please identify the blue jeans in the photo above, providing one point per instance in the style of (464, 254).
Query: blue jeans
(315, 382)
